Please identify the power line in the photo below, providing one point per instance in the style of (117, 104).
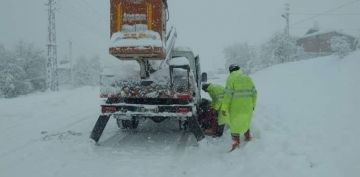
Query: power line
(93, 34)
(328, 14)
(87, 28)
(92, 30)
(327, 11)
(347, 29)
(91, 8)
(95, 15)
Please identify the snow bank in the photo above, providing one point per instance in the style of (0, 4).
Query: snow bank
(307, 113)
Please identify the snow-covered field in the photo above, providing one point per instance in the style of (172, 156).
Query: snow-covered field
(306, 124)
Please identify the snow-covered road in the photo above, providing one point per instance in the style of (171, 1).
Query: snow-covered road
(305, 124)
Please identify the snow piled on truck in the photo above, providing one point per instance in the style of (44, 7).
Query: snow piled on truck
(179, 61)
(136, 39)
(305, 124)
(113, 83)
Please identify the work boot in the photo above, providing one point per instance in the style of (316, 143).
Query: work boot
(247, 135)
(219, 130)
(236, 143)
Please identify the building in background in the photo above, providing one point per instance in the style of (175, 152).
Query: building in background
(319, 43)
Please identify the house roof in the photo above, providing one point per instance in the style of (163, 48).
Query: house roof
(325, 32)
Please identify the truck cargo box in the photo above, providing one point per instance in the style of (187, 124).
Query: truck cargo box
(138, 29)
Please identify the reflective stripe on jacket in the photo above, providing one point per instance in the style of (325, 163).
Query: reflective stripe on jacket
(239, 101)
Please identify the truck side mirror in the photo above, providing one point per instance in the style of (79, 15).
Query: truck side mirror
(204, 77)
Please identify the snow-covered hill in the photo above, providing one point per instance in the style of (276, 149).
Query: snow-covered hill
(306, 124)
(308, 116)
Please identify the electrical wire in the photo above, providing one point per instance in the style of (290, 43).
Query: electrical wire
(326, 12)
(91, 8)
(87, 28)
(85, 5)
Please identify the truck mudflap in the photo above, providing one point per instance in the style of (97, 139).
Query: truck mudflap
(195, 128)
(99, 127)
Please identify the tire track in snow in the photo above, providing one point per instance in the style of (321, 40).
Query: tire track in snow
(148, 139)
(37, 140)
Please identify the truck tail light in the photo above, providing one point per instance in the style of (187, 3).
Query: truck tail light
(183, 110)
(184, 97)
(108, 109)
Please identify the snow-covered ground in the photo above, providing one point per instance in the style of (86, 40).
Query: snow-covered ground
(305, 124)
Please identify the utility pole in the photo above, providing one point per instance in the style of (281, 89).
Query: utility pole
(358, 41)
(286, 16)
(52, 65)
(71, 62)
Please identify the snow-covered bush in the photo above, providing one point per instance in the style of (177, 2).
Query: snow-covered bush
(341, 46)
(22, 70)
(12, 81)
(280, 48)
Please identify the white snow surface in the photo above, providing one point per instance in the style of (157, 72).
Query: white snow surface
(305, 124)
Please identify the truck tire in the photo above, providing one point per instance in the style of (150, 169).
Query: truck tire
(127, 124)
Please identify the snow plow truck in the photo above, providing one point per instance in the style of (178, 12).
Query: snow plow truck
(169, 83)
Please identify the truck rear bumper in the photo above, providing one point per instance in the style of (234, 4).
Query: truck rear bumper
(147, 111)
(151, 115)
(131, 53)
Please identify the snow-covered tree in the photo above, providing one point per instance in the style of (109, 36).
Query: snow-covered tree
(21, 70)
(357, 42)
(12, 81)
(341, 46)
(241, 54)
(280, 48)
(33, 62)
(95, 70)
(87, 72)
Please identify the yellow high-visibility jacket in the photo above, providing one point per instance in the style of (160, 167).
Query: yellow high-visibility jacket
(239, 100)
(216, 93)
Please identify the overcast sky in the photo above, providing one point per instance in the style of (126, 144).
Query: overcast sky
(205, 25)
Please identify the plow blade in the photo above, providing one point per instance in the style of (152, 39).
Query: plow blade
(195, 128)
(99, 128)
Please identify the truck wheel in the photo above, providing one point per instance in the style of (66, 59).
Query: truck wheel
(134, 124)
(127, 124)
(120, 123)
(183, 125)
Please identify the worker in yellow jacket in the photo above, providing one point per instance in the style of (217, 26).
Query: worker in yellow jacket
(240, 101)
(216, 93)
